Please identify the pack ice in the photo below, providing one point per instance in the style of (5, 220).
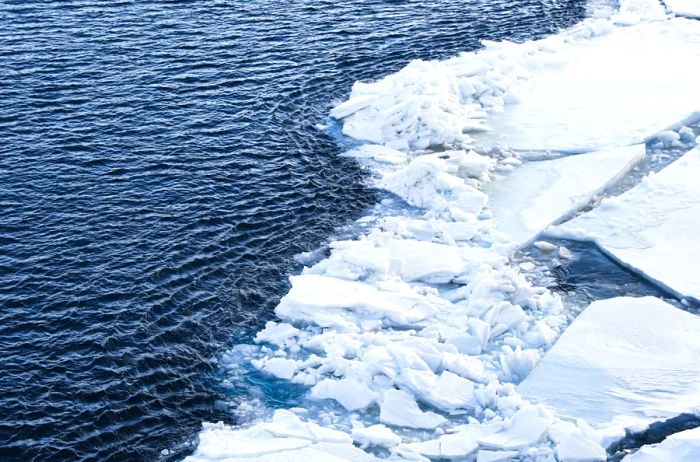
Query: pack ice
(653, 228)
(595, 86)
(411, 339)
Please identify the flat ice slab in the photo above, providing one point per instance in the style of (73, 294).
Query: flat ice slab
(680, 447)
(623, 362)
(615, 89)
(533, 196)
(652, 228)
(687, 8)
(286, 438)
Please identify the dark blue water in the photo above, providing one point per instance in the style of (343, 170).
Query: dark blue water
(159, 168)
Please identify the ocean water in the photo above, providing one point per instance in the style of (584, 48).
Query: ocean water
(160, 166)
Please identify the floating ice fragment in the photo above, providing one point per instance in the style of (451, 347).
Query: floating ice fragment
(286, 438)
(276, 333)
(378, 434)
(411, 260)
(281, 367)
(624, 361)
(427, 183)
(349, 392)
(400, 409)
(452, 392)
(576, 448)
(378, 153)
(344, 304)
(526, 427)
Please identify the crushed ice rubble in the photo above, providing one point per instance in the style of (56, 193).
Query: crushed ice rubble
(419, 331)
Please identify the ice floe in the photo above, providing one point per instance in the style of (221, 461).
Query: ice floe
(528, 199)
(286, 438)
(623, 362)
(679, 447)
(606, 92)
(653, 228)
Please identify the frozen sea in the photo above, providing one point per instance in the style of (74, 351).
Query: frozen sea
(160, 167)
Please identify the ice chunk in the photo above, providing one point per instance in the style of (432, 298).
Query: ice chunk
(653, 228)
(536, 194)
(420, 104)
(449, 446)
(400, 409)
(411, 260)
(285, 438)
(352, 394)
(679, 447)
(438, 263)
(624, 361)
(687, 8)
(377, 152)
(276, 333)
(452, 392)
(328, 301)
(281, 367)
(602, 92)
(527, 426)
(378, 434)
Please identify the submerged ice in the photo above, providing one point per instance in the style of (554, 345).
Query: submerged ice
(422, 339)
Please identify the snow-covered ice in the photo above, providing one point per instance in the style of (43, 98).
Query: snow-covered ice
(623, 362)
(608, 91)
(595, 86)
(687, 8)
(679, 447)
(528, 199)
(653, 228)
